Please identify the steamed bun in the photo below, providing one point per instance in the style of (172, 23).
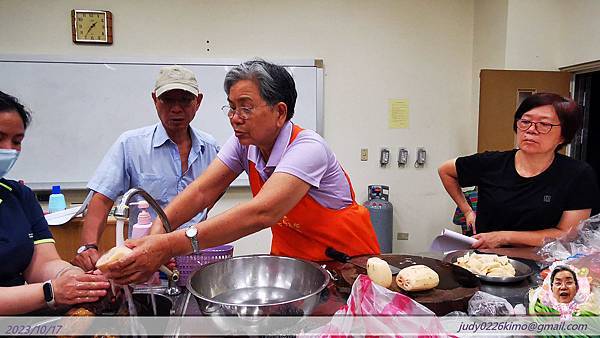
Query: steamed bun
(112, 255)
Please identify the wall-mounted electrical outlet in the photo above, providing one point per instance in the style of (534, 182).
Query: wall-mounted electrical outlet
(402, 157)
(364, 154)
(384, 157)
(402, 236)
(421, 157)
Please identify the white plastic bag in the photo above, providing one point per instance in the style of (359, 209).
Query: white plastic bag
(485, 304)
(582, 240)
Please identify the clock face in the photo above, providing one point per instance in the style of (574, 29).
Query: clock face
(92, 26)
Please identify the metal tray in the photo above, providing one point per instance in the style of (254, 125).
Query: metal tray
(522, 270)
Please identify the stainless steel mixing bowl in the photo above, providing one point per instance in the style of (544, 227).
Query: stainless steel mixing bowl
(258, 285)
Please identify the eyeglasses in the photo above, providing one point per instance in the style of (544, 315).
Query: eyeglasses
(243, 112)
(184, 102)
(541, 127)
(568, 283)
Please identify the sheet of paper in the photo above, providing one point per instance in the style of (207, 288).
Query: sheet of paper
(398, 114)
(449, 240)
(61, 217)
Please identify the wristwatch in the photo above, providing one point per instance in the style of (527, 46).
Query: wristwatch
(49, 294)
(191, 233)
(85, 247)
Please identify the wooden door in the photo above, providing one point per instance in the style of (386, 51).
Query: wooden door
(501, 91)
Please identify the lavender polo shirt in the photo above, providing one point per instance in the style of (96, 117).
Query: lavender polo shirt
(308, 158)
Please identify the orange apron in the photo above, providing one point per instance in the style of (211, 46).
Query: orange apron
(309, 228)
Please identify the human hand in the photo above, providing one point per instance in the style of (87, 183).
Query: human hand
(87, 259)
(80, 288)
(470, 217)
(149, 253)
(492, 239)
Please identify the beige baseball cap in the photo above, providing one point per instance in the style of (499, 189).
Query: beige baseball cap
(175, 77)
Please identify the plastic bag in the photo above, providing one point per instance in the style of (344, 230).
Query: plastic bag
(485, 304)
(520, 310)
(456, 314)
(582, 240)
(368, 302)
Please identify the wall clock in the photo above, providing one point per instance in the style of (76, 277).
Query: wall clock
(91, 26)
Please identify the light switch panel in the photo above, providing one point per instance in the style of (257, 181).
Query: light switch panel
(364, 154)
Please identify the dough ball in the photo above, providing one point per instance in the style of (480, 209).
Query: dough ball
(417, 278)
(379, 272)
(112, 255)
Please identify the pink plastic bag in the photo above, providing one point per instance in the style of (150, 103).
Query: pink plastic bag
(381, 312)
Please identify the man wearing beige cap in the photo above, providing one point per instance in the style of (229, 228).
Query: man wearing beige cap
(162, 159)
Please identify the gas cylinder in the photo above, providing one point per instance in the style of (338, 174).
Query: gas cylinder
(381, 212)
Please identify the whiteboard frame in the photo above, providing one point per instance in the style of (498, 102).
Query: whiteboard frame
(46, 58)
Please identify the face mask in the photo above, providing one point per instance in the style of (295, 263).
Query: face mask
(8, 157)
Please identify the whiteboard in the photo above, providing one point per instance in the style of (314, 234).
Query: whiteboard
(81, 106)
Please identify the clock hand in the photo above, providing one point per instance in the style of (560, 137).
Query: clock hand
(91, 26)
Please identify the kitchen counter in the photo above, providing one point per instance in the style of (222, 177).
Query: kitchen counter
(514, 293)
(335, 296)
(338, 291)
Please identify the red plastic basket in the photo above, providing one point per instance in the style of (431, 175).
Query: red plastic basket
(190, 263)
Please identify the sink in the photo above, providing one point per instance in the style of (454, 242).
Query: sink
(143, 304)
(165, 305)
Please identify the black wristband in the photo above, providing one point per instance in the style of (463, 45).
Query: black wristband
(49, 294)
(86, 247)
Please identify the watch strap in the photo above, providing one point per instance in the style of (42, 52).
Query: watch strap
(86, 247)
(194, 241)
(195, 245)
(49, 294)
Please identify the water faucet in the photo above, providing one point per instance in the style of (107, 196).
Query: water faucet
(122, 210)
(122, 213)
